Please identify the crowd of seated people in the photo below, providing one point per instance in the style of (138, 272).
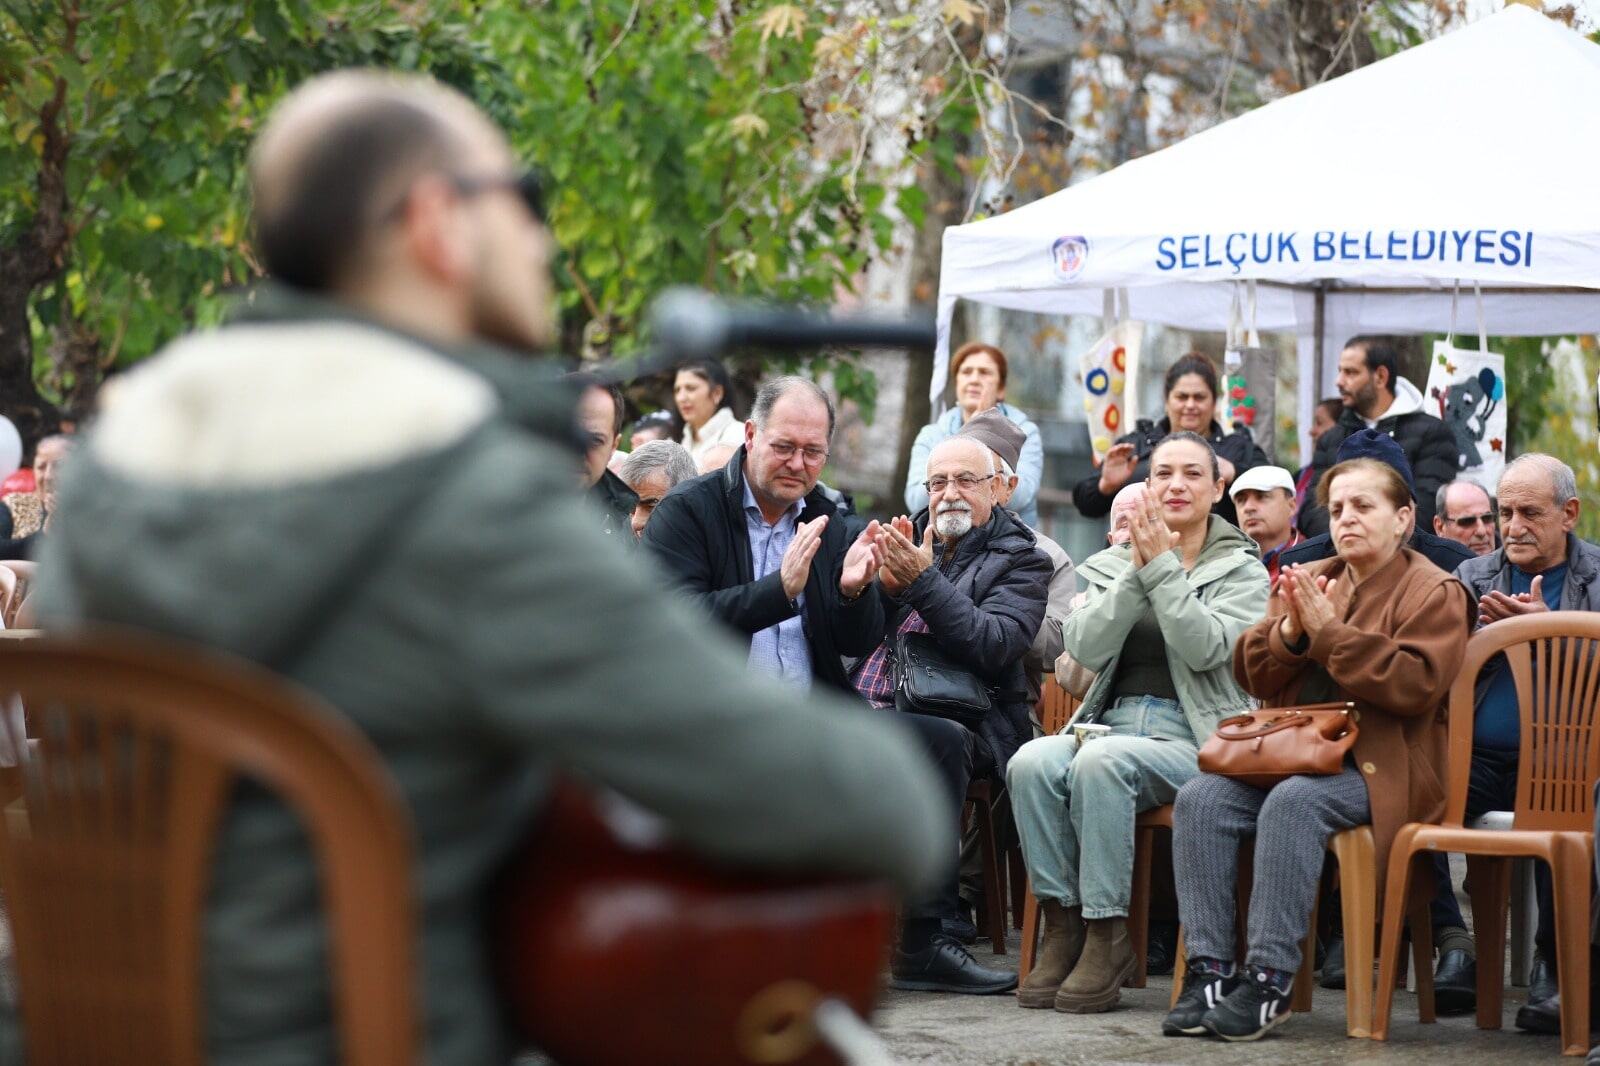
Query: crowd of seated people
(1185, 619)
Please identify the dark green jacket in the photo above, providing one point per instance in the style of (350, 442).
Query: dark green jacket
(374, 519)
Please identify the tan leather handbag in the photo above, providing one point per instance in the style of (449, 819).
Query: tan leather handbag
(1263, 747)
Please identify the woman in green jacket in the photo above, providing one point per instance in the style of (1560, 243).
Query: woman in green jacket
(1158, 629)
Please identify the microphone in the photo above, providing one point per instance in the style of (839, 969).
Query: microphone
(687, 322)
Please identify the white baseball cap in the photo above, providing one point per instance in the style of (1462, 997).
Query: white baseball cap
(1262, 478)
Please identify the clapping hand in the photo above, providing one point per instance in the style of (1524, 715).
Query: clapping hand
(796, 564)
(861, 562)
(1314, 601)
(1497, 605)
(903, 560)
(1151, 537)
(1117, 468)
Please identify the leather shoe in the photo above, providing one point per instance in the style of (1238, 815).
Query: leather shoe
(1162, 950)
(1542, 1013)
(1455, 983)
(1541, 1016)
(946, 966)
(1333, 965)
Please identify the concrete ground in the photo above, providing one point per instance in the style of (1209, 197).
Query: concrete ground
(994, 1031)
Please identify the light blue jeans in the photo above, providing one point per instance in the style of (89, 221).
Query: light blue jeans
(1075, 809)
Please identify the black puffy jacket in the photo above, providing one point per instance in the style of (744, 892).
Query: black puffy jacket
(1430, 448)
(984, 606)
(1236, 447)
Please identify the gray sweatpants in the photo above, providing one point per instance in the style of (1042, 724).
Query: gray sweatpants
(1292, 823)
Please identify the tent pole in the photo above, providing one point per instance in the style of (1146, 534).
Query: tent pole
(1318, 321)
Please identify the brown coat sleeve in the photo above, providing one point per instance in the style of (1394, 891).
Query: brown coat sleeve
(1262, 664)
(1407, 672)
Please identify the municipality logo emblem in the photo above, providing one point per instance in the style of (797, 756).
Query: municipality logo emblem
(1068, 255)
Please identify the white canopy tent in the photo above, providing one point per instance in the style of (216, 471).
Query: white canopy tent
(1358, 206)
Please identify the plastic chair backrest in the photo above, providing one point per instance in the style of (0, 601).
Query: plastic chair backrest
(1056, 706)
(1554, 659)
(105, 857)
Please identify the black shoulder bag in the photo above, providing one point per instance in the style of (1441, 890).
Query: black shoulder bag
(928, 681)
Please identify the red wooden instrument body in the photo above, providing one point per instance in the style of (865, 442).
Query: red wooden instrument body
(613, 951)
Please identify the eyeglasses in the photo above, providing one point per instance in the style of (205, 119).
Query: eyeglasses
(1468, 521)
(526, 186)
(966, 482)
(785, 451)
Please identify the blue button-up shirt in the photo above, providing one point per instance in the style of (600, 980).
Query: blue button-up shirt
(781, 650)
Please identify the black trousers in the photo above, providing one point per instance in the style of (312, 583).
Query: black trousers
(1492, 786)
(960, 755)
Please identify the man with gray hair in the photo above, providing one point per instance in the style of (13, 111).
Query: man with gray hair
(766, 552)
(967, 573)
(1541, 566)
(652, 470)
(1464, 513)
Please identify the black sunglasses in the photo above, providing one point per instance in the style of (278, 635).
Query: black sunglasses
(1468, 521)
(525, 185)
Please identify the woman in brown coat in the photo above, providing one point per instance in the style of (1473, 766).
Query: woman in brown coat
(1377, 625)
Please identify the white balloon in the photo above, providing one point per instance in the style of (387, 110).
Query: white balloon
(10, 447)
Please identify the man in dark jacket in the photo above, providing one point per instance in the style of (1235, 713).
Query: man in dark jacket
(1373, 444)
(599, 425)
(980, 592)
(1541, 566)
(1375, 396)
(765, 551)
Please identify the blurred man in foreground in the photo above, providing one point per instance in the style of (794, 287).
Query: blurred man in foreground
(474, 638)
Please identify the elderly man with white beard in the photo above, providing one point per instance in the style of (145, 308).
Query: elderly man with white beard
(967, 573)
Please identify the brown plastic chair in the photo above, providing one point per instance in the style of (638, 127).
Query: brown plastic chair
(980, 801)
(1555, 660)
(104, 858)
(1144, 849)
(1056, 706)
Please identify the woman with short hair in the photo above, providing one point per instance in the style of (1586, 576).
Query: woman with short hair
(979, 371)
(1157, 628)
(1378, 626)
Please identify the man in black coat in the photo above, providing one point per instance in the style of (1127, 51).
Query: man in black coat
(1375, 396)
(766, 552)
(980, 593)
(599, 424)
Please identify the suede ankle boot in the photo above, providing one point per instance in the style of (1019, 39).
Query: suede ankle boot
(1095, 984)
(1059, 947)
